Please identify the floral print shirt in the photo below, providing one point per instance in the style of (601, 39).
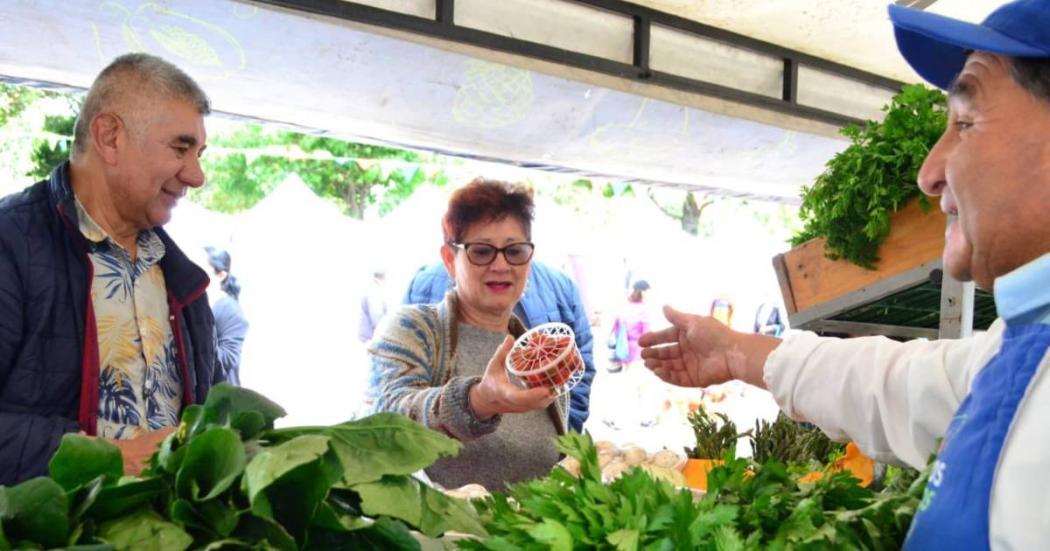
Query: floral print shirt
(140, 387)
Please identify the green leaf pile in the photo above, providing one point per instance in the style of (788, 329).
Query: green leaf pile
(850, 203)
(748, 506)
(226, 479)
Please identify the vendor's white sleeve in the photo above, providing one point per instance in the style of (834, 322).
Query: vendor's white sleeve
(893, 399)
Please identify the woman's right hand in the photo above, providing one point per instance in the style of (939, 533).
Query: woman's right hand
(496, 394)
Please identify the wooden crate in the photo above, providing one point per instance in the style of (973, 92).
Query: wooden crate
(808, 278)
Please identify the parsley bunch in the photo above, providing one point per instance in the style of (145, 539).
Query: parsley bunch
(748, 506)
(851, 201)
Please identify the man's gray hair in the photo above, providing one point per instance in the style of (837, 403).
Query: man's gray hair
(130, 75)
(1033, 74)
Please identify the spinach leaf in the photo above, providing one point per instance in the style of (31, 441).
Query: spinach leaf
(80, 459)
(144, 530)
(36, 510)
(384, 443)
(212, 463)
(407, 499)
(287, 483)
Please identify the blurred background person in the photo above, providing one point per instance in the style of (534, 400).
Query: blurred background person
(632, 384)
(722, 310)
(443, 364)
(231, 325)
(769, 320)
(373, 306)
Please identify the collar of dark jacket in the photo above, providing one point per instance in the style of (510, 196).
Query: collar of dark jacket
(185, 280)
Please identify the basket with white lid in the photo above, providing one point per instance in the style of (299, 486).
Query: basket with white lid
(546, 356)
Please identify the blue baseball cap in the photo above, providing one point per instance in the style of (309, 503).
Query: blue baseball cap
(936, 46)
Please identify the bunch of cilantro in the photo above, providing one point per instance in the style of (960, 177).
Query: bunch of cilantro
(748, 506)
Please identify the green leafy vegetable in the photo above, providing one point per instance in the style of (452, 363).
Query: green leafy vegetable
(381, 444)
(36, 510)
(80, 459)
(144, 530)
(851, 202)
(410, 500)
(225, 479)
(213, 462)
(748, 506)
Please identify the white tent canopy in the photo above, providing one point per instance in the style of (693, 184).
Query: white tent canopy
(856, 33)
(378, 85)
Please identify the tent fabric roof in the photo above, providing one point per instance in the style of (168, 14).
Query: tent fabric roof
(377, 85)
(856, 33)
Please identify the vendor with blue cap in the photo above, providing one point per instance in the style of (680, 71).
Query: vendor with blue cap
(981, 403)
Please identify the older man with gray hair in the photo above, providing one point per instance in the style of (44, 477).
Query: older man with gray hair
(106, 328)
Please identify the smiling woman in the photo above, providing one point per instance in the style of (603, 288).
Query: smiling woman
(443, 364)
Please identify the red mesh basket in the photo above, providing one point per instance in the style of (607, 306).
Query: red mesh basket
(546, 355)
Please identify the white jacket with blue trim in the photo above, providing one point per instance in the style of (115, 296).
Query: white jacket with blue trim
(896, 400)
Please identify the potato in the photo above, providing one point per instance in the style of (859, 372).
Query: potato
(614, 470)
(572, 465)
(668, 459)
(635, 456)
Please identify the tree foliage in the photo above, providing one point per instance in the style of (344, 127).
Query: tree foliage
(250, 162)
(14, 100)
(54, 147)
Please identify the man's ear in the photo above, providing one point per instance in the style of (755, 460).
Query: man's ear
(106, 130)
(448, 258)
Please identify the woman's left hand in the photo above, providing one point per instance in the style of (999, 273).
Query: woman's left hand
(496, 394)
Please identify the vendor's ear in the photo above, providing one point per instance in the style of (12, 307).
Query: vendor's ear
(448, 258)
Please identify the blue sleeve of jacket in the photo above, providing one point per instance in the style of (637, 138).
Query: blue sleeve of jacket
(552, 296)
(580, 395)
(428, 286)
(27, 439)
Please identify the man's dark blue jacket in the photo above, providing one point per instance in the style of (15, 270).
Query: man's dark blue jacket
(48, 343)
(549, 296)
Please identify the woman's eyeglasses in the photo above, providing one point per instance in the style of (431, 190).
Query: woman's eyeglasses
(483, 254)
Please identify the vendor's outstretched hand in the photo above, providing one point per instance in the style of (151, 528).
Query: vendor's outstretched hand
(496, 394)
(699, 351)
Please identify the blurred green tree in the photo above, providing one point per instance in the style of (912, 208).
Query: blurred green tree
(243, 166)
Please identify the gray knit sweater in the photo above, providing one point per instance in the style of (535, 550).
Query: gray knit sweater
(416, 371)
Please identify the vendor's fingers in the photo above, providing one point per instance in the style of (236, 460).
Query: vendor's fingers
(677, 317)
(655, 363)
(667, 352)
(677, 377)
(663, 336)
